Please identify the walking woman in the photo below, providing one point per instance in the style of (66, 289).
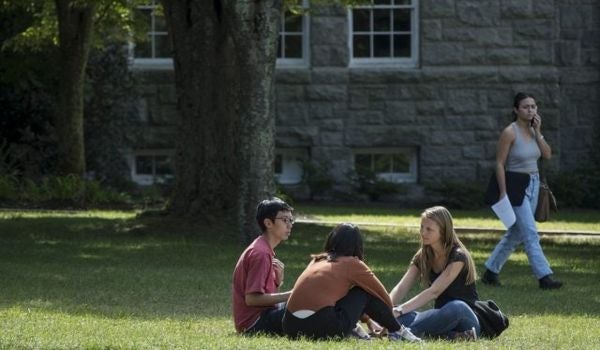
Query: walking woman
(336, 289)
(519, 148)
(446, 268)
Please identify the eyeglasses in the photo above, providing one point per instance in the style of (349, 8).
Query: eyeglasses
(286, 220)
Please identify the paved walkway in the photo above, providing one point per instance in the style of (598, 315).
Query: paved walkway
(461, 229)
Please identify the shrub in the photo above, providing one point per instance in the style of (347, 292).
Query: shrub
(366, 181)
(458, 195)
(577, 189)
(317, 178)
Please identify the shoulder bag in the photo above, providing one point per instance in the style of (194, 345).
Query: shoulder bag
(491, 320)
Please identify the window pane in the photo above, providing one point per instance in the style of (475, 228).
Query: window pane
(278, 164)
(402, 2)
(382, 2)
(143, 165)
(163, 46)
(362, 162)
(293, 46)
(293, 23)
(402, 45)
(400, 164)
(279, 50)
(360, 20)
(163, 165)
(143, 49)
(383, 163)
(361, 46)
(159, 24)
(381, 46)
(402, 20)
(381, 20)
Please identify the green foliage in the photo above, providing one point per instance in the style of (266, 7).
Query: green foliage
(366, 181)
(111, 117)
(283, 194)
(456, 194)
(577, 189)
(317, 178)
(60, 191)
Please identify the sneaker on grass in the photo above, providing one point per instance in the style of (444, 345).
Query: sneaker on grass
(403, 334)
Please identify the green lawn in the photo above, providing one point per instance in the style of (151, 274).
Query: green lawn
(105, 280)
(564, 220)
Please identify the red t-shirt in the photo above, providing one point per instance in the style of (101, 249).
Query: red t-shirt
(253, 273)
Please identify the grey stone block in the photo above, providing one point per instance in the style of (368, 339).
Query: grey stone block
(441, 9)
(324, 92)
(465, 74)
(431, 30)
(430, 107)
(292, 114)
(508, 56)
(329, 56)
(365, 117)
(399, 113)
(292, 76)
(568, 53)
(525, 30)
(329, 30)
(442, 53)
(328, 138)
(576, 16)
(473, 152)
(542, 53)
(579, 75)
(516, 8)
(289, 93)
(320, 110)
(330, 76)
(335, 125)
(466, 101)
(296, 136)
(478, 13)
(544, 8)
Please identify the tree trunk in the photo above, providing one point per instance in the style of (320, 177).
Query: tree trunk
(75, 24)
(224, 57)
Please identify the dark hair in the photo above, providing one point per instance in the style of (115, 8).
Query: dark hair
(520, 96)
(344, 240)
(268, 209)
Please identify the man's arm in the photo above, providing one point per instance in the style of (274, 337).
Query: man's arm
(266, 299)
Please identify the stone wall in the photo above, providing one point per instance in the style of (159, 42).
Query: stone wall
(474, 56)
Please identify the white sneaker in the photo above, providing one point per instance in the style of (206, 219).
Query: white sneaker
(360, 333)
(404, 334)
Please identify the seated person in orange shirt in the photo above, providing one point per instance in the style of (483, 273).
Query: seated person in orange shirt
(337, 288)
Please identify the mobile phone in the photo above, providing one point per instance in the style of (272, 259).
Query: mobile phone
(532, 120)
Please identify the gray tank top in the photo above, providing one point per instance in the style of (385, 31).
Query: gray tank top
(523, 155)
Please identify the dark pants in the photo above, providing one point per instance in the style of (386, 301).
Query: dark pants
(339, 320)
(269, 322)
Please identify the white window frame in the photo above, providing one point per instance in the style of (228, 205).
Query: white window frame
(410, 152)
(150, 62)
(291, 165)
(400, 62)
(149, 179)
(302, 62)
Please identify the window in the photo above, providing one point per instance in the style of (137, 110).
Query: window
(395, 165)
(292, 46)
(386, 31)
(288, 165)
(156, 49)
(151, 166)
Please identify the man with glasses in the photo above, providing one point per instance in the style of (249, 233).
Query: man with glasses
(258, 306)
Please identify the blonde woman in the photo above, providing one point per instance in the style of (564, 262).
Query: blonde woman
(447, 271)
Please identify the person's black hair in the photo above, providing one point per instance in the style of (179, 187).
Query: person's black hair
(268, 209)
(520, 96)
(344, 240)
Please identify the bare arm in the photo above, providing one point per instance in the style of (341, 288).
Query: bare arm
(539, 138)
(405, 284)
(437, 287)
(506, 140)
(266, 299)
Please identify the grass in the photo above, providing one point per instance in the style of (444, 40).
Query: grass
(106, 280)
(564, 220)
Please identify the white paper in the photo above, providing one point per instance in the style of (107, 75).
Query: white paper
(504, 211)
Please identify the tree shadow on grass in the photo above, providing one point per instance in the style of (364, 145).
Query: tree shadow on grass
(162, 268)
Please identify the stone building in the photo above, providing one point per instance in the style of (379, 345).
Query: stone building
(417, 90)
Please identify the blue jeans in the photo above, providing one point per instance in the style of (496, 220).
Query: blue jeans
(454, 316)
(523, 231)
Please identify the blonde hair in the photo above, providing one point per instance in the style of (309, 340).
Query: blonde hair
(423, 259)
